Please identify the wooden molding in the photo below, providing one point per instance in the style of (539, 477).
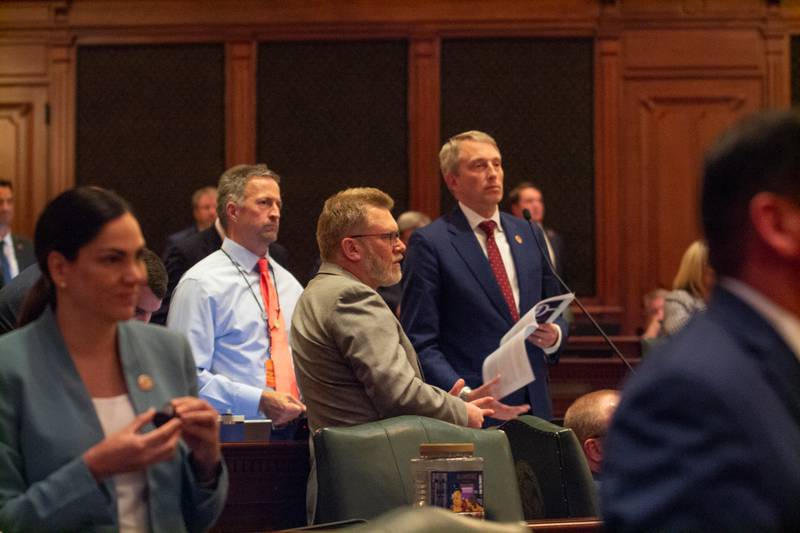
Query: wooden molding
(608, 218)
(240, 102)
(424, 124)
(62, 123)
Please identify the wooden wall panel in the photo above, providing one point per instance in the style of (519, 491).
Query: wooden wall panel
(668, 126)
(23, 149)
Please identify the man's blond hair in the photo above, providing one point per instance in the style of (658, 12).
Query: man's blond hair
(345, 213)
(448, 155)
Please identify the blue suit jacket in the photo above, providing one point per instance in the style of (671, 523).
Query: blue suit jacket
(707, 435)
(47, 422)
(454, 312)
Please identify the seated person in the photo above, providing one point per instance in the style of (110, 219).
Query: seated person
(589, 418)
(81, 383)
(353, 361)
(690, 288)
(653, 303)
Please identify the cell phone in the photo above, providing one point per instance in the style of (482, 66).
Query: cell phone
(164, 415)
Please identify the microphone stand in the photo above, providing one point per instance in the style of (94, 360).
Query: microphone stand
(527, 215)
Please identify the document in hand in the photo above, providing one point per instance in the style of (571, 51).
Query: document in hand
(510, 360)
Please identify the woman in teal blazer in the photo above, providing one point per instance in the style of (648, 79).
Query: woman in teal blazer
(59, 468)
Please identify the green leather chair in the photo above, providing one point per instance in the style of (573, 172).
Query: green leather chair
(364, 471)
(554, 478)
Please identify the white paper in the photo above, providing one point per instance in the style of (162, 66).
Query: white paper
(510, 360)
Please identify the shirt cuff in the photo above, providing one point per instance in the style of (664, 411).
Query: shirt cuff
(554, 348)
(248, 398)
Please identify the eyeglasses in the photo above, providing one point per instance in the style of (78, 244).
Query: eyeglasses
(392, 236)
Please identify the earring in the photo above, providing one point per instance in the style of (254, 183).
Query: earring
(63, 284)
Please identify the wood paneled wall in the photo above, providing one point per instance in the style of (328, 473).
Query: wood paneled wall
(669, 75)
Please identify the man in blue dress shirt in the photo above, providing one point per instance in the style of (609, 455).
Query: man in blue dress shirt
(218, 303)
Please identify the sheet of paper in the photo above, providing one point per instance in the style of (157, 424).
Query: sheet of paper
(545, 311)
(510, 361)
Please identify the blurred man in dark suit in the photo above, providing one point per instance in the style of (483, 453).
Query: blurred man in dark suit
(527, 196)
(204, 212)
(707, 435)
(16, 252)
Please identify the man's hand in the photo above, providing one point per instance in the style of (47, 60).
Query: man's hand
(544, 337)
(485, 392)
(282, 408)
(477, 410)
(507, 412)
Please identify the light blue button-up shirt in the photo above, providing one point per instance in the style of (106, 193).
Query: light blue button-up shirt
(218, 306)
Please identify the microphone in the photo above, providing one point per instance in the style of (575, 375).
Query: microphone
(527, 215)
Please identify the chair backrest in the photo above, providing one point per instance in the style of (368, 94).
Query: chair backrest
(364, 471)
(554, 478)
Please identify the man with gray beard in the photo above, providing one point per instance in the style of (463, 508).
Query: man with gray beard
(354, 363)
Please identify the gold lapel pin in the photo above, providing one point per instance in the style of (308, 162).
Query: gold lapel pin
(145, 382)
(518, 239)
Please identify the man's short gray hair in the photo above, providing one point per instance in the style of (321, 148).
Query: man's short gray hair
(448, 155)
(232, 183)
(412, 220)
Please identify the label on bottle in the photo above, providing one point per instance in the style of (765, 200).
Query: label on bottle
(460, 492)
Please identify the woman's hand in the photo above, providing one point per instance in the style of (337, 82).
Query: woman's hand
(201, 433)
(129, 451)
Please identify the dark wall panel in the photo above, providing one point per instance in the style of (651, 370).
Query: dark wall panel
(535, 97)
(331, 116)
(150, 125)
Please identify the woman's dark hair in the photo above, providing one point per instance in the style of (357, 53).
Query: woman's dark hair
(68, 223)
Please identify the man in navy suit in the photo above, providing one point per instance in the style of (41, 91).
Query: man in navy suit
(204, 212)
(470, 275)
(707, 435)
(16, 252)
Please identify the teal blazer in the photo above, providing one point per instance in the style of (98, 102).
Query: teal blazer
(47, 422)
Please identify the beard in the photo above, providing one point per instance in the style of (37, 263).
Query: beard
(384, 274)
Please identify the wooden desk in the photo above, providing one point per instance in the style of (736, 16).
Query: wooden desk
(567, 525)
(596, 346)
(267, 486)
(575, 376)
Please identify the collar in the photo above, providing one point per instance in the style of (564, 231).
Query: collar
(785, 323)
(219, 228)
(473, 218)
(9, 242)
(243, 257)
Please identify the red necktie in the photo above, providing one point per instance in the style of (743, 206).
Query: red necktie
(488, 227)
(280, 372)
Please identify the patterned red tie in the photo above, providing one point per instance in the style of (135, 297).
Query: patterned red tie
(499, 269)
(280, 372)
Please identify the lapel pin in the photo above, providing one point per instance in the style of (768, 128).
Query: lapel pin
(518, 239)
(145, 382)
